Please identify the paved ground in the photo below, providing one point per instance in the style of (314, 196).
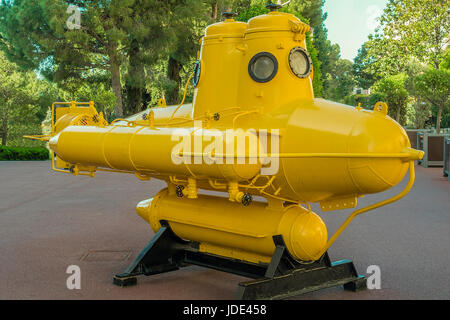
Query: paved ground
(49, 221)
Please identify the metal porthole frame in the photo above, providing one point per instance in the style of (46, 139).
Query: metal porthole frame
(308, 57)
(257, 56)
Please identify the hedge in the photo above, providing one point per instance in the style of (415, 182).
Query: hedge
(20, 154)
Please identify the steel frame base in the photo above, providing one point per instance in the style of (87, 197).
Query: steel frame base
(284, 277)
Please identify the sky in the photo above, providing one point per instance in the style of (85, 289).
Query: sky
(350, 22)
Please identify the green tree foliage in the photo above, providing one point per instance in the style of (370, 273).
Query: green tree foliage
(393, 91)
(434, 86)
(422, 112)
(114, 34)
(342, 81)
(365, 101)
(252, 11)
(409, 27)
(189, 30)
(23, 101)
(364, 79)
(412, 38)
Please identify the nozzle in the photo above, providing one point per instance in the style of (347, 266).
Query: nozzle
(143, 209)
(53, 143)
(415, 154)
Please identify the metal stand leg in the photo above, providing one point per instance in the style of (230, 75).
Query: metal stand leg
(161, 255)
(286, 277)
(283, 277)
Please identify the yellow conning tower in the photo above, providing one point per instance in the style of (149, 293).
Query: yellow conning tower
(218, 68)
(242, 65)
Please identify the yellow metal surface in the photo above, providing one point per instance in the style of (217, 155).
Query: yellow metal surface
(244, 233)
(128, 148)
(324, 152)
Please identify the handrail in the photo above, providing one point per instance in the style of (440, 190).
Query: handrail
(182, 101)
(411, 154)
(356, 213)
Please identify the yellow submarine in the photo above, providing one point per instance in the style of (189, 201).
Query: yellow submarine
(255, 133)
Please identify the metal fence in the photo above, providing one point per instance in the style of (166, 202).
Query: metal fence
(433, 145)
(419, 142)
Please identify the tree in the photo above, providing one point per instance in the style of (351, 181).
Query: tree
(422, 113)
(22, 100)
(434, 86)
(35, 36)
(189, 28)
(252, 11)
(364, 79)
(342, 82)
(329, 62)
(395, 95)
(114, 34)
(417, 28)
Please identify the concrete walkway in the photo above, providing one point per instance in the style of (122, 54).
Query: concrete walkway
(49, 221)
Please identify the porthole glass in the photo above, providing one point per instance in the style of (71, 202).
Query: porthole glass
(300, 62)
(263, 67)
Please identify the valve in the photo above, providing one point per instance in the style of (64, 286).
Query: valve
(247, 199)
(238, 196)
(179, 191)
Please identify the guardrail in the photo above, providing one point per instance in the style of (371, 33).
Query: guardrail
(412, 135)
(419, 142)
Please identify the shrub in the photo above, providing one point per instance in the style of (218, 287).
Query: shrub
(21, 154)
(445, 123)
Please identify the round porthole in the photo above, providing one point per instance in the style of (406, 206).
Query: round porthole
(197, 73)
(300, 62)
(263, 67)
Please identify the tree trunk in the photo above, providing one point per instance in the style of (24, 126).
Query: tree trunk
(135, 82)
(214, 10)
(117, 88)
(134, 99)
(397, 117)
(438, 121)
(173, 73)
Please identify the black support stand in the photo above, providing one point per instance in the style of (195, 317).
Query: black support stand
(283, 277)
